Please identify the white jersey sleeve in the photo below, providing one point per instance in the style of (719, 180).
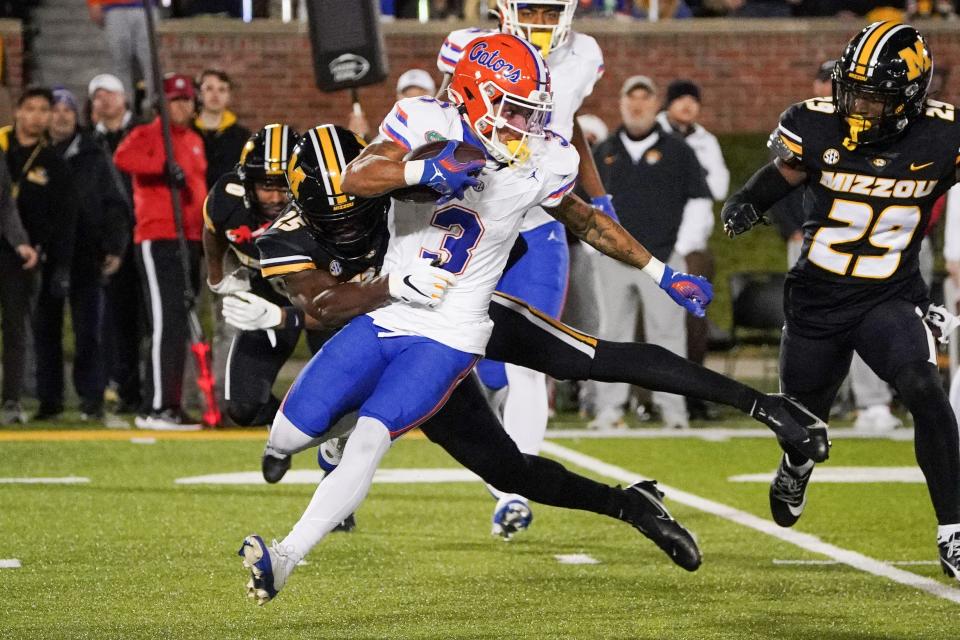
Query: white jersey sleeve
(559, 170)
(415, 121)
(453, 46)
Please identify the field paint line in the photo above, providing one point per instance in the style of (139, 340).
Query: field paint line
(10, 563)
(846, 475)
(711, 434)
(95, 435)
(805, 541)
(308, 476)
(64, 480)
(898, 563)
(143, 441)
(576, 558)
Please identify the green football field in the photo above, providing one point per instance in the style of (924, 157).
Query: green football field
(131, 553)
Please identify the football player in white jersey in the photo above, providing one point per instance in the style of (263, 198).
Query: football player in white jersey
(397, 364)
(539, 277)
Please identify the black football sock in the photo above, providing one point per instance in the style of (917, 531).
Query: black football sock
(936, 440)
(657, 369)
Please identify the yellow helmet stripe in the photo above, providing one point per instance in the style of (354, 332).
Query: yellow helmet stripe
(333, 160)
(869, 44)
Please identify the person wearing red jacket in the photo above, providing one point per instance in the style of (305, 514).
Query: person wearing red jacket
(141, 155)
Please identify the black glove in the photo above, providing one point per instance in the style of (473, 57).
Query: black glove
(175, 176)
(740, 217)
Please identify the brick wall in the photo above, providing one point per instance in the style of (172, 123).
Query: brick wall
(12, 82)
(749, 70)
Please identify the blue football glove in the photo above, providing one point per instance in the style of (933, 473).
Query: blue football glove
(605, 204)
(693, 293)
(447, 175)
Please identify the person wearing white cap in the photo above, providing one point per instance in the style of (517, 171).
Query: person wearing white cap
(124, 315)
(412, 83)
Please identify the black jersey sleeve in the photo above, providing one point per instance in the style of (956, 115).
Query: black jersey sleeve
(286, 247)
(223, 201)
(786, 141)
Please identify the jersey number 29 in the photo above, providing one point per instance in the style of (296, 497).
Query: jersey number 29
(464, 231)
(890, 231)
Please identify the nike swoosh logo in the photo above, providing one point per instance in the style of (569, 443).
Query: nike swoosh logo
(406, 281)
(663, 515)
(917, 167)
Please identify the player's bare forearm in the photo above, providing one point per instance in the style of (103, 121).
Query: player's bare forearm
(600, 231)
(376, 171)
(331, 304)
(214, 249)
(588, 176)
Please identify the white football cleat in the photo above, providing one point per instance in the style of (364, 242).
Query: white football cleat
(270, 567)
(511, 515)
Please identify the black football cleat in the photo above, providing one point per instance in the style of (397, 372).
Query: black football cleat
(950, 555)
(788, 493)
(648, 515)
(794, 424)
(274, 466)
(349, 524)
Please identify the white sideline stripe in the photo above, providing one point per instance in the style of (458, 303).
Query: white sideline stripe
(64, 480)
(899, 563)
(805, 541)
(713, 434)
(10, 563)
(846, 475)
(576, 558)
(304, 476)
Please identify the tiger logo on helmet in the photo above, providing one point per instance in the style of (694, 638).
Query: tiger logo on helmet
(502, 87)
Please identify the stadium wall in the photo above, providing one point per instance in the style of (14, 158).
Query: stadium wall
(11, 69)
(750, 70)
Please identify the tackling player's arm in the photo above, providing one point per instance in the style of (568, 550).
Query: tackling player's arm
(329, 303)
(215, 247)
(770, 184)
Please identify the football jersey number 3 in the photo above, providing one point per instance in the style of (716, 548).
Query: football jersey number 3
(464, 231)
(891, 231)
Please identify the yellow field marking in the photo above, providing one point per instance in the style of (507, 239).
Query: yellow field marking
(99, 435)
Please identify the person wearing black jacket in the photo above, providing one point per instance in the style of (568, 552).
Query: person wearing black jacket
(223, 137)
(124, 314)
(47, 204)
(17, 260)
(100, 240)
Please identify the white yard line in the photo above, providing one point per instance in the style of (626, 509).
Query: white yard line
(898, 563)
(713, 434)
(805, 541)
(10, 563)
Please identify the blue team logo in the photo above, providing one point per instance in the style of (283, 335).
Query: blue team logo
(492, 60)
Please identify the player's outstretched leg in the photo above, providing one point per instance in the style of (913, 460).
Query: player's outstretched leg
(647, 513)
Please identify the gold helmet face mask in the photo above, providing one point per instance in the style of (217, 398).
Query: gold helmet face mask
(546, 36)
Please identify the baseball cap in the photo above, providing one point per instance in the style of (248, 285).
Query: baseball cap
(63, 95)
(178, 85)
(105, 81)
(637, 82)
(680, 88)
(416, 78)
(825, 70)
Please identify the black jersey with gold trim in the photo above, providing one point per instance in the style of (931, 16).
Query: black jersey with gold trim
(226, 214)
(866, 207)
(288, 246)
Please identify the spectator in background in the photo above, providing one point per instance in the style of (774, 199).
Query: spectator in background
(46, 201)
(652, 176)
(223, 137)
(666, 9)
(412, 83)
(99, 244)
(125, 25)
(17, 278)
(680, 115)
(142, 155)
(123, 312)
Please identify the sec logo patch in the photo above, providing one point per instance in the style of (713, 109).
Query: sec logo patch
(335, 268)
(831, 156)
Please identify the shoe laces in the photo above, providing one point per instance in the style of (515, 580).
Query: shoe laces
(788, 487)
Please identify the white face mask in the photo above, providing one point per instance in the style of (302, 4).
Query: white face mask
(546, 37)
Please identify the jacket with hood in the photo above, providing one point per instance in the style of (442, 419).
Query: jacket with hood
(223, 145)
